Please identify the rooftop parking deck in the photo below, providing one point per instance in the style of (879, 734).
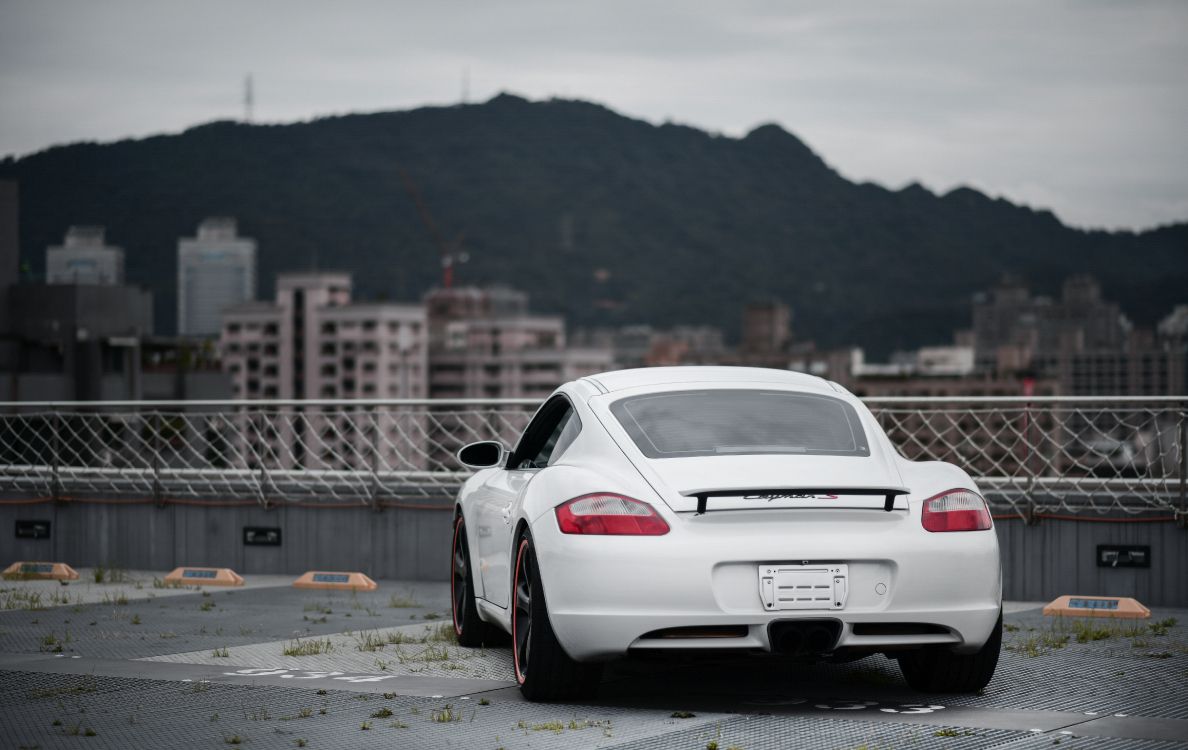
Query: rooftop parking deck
(132, 663)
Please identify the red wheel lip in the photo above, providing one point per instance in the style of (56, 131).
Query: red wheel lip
(515, 642)
(453, 570)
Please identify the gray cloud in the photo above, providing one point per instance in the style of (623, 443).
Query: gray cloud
(1073, 106)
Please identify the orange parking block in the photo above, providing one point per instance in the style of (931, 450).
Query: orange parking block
(46, 570)
(204, 577)
(1122, 607)
(318, 579)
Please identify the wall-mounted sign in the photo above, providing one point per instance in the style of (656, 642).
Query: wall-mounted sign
(32, 529)
(266, 536)
(1123, 555)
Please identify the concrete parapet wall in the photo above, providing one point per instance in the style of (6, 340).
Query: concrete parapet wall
(1040, 562)
(392, 544)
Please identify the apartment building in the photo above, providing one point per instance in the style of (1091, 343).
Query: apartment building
(314, 342)
(485, 344)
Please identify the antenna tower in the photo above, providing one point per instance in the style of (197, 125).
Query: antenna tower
(249, 99)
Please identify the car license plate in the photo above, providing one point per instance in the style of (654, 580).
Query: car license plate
(785, 586)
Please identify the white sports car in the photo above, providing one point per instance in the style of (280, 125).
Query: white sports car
(720, 508)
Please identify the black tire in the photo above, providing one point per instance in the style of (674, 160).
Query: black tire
(935, 670)
(469, 628)
(543, 669)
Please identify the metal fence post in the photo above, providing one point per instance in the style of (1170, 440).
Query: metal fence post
(374, 452)
(155, 426)
(55, 454)
(1182, 515)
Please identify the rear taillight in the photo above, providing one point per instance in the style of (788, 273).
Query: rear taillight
(955, 510)
(608, 513)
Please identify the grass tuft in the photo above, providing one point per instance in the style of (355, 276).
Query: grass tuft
(309, 647)
(402, 601)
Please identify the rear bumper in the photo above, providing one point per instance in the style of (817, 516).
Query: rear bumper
(606, 593)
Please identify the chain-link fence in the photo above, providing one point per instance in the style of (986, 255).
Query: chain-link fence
(1045, 455)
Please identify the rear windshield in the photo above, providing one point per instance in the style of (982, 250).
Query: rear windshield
(740, 422)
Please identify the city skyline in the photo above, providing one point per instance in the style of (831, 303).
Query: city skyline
(1024, 102)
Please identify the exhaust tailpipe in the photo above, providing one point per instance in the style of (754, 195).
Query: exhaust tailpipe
(804, 637)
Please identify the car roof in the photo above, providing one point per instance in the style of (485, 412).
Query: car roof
(618, 380)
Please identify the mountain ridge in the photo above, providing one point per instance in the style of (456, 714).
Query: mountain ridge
(550, 192)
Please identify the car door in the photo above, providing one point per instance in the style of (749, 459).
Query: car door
(547, 436)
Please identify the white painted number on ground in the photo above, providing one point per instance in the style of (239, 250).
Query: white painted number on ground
(899, 708)
(912, 708)
(309, 675)
(847, 705)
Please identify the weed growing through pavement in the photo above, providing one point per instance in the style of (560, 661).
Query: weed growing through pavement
(259, 714)
(308, 647)
(1161, 627)
(402, 601)
(557, 727)
(75, 730)
(50, 644)
(222, 653)
(383, 713)
(1036, 645)
(111, 574)
(446, 714)
(85, 685)
(1101, 629)
(206, 606)
(20, 599)
(369, 641)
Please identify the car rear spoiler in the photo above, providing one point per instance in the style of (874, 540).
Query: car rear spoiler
(890, 493)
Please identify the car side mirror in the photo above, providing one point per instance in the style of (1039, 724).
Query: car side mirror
(482, 455)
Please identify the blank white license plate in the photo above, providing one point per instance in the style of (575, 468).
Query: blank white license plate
(784, 586)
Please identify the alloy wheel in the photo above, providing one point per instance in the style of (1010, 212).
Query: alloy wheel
(522, 612)
(459, 580)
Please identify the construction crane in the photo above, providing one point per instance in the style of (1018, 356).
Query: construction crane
(451, 251)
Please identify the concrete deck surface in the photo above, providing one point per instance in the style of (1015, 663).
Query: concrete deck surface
(131, 664)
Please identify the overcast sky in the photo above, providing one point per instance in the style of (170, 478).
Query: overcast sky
(1080, 107)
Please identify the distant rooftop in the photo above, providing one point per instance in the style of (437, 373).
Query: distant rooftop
(218, 228)
(85, 236)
